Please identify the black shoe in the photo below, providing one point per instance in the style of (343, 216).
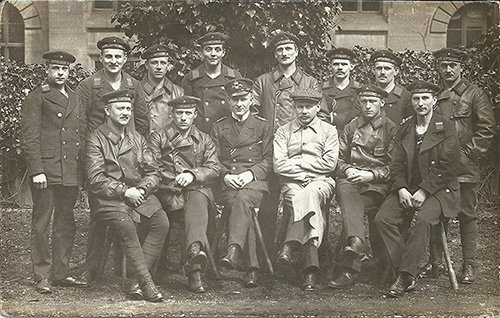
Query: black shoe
(285, 258)
(468, 274)
(43, 286)
(194, 282)
(251, 278)
(355, 247)
(199, 258)
(432, 271)
(404, 283)
(232, 260)
(344, 280)
(151, 292)
(134, 290)
(309, 281)
(70, 281)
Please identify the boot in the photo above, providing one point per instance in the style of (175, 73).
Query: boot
(252, 277)
(151, 292)
(404, 283)
(134, 290)
(194, 282)
(285, 257)
(355, 247)
(196, 255)
(468, 274)
(344, 280)
(232, 260)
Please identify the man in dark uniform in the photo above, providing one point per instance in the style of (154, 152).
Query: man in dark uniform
(188, 164)
(50, 140)
(155, 90)
(386, 68)
(207, 81)
(363, 179)
(470, 109)
(340, 91)
(305, 155)
(122, 176)
(425, 185)
(244, 148)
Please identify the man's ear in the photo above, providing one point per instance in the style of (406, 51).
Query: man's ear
(382, 103)
(195, 114)
(124, 59)
(106, 110)
(396, 71)
(224, 51)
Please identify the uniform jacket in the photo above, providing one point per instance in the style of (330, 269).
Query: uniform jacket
(469, 107)
(52, 130)
(152, 112)
(436, 159)
(251, 149)
(366, 144)
(272, 95)
(398, 104)
(114, 165)
(342, 105)
(211, 91)
(90, 91)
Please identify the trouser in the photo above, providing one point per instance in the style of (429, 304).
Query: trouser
(60, 200)
(353, 205)
(241, 230)
(152, 233)
(406, 255)
(195, 224)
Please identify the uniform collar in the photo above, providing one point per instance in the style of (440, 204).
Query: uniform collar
(458, 87)
(173, 132)
(314, 125)
(245, 117)
(149, 87)
(111, 133)
(376, 121)
(296, 76)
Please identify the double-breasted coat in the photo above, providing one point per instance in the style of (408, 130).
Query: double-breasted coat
(342, 104)
(398, 104)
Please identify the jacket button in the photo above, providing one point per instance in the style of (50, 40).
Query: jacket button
(222, 102)
(233, 168)
(447, 190)
(206, 103)
(78, 144)
(390, 105)
(64, 156)
(433, 162)
(250, 160)
(222, 87)
(64, 142)
(334, 113)
(207, 119)
(76, 130)
(234, 160)
(59, 115)
(440, 175)
(63, 129)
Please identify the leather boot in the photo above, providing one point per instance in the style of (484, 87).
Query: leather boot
(468, 274)
(285, 257)
(252, 277)
(196, 255)
(355, 247)
(346, 279)
(194, 282)
(404, 283)
(151, 292)
(232, 260)
(43, 286)
(309, 280)
(134, 290)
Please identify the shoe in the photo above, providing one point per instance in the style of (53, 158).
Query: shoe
(309, 281)
(468, 274)
(344, 280)
(404, 283)
(151, 292)
(232, 260)
(285, 255)
(432, 271)
(194, 282)
(43, 286)
(134, 290)
(196, 255)
(251, 278)
(71, 281)
(355, 247)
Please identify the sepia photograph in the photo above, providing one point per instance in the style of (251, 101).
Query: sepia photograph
(258, 158)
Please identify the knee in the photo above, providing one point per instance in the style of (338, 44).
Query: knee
(161, 222)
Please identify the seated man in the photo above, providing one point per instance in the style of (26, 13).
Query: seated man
(244, 147)
(188, 164)
(425, 185)
(305, 154)
(363, 178)
(121, 177)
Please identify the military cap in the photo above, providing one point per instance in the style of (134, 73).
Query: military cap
(113, 42)
(184, 102)
(238, 87)
(212, 38)
(58, 57)
(157, 50)
(385, 56)
(342, 53)
(371, 90)
(306, 95)
(122, 95)
(423, 87)
(448, 54)
(283, 38)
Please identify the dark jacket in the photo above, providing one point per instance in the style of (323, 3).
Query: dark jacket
(152, 112)
(436, 161)
(251, 149)
(469, 107)
(52, 128)
(342, 105)
(114, 165)
(211, 91)
(367, 145)
(398, 104)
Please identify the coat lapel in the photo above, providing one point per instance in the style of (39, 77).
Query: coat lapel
(409, 144)
(247, 131)
(57, 98)
(72, 101)
(434, 133)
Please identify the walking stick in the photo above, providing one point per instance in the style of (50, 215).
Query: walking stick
(258, 231)
(449, 266)
(212, 261)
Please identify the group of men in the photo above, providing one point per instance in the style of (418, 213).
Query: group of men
(151, 151)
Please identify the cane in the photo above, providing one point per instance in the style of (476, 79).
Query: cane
(449, 266)
(258, 231)
(212, 262)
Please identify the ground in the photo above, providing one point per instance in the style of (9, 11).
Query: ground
(277, 297)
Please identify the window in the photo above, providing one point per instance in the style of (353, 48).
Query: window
(12, 38)
(361, 5)
(467, 25)
(105, 5)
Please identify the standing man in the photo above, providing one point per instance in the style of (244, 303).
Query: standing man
(244, 147)
(207, 81)
(305, 154)
(363, 179)
(425, 185)
(469, 107)
(188, 164)
(386, 68)
(51, 141)
(121, 178)
(154, 92)
(340, 92)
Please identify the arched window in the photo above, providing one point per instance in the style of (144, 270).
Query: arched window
(12, 39)
(468, 23)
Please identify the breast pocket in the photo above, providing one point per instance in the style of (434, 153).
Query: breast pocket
(463, 121)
